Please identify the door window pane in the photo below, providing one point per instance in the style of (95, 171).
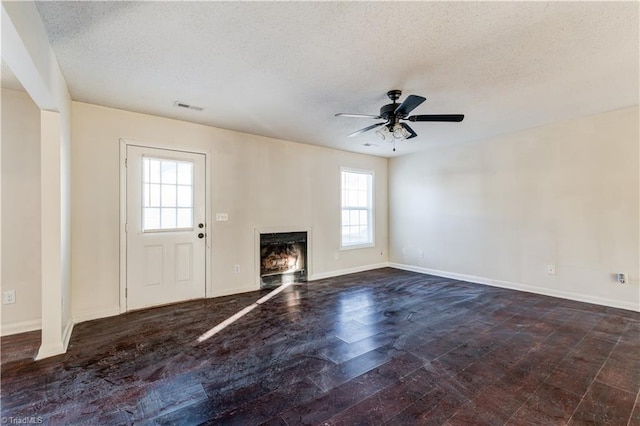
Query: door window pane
(185, 218)
(154, 170)
(167, 194)
(185, 173)
(168, 218)
(184, 196)
(169, 171)
(154, 195)
(151, 218)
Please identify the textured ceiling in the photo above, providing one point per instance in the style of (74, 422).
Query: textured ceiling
(283, 69)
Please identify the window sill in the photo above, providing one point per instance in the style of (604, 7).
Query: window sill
(357, 246)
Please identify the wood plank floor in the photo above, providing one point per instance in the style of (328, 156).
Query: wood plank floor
(379, 347)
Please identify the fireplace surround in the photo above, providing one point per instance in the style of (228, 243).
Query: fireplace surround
(283, 258)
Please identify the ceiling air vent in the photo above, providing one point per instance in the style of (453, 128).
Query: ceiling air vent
(178, 104)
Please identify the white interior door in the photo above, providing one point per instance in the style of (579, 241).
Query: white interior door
(165, 227)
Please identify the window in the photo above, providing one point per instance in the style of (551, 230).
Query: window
(167, 192)
(357, 208)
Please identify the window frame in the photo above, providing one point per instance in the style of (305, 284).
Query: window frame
(370, 208)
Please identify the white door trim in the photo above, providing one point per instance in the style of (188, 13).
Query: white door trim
(123, 211)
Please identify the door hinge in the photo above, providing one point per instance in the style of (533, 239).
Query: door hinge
(126, 228)
(125, 162)
(126, 292)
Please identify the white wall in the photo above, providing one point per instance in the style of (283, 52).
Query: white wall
(499, 210)
(21, 211)
(261, 183)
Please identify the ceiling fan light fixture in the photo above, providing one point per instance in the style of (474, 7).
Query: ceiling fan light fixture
(383, 133)
(399, 132)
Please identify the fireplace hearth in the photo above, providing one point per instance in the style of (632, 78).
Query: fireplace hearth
(283, 258)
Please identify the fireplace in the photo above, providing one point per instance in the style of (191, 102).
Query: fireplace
(283, 258)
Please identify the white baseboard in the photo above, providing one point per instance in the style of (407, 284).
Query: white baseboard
(21, 327)
(56, 347)
(91, 314)
(232, 291)
(631, 306)
(66, 335)
(49, 350)
(339, 272)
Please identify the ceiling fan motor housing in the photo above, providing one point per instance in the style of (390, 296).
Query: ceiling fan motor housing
(388, 111)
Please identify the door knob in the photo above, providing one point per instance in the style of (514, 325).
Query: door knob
(201, 225)
(201, 235)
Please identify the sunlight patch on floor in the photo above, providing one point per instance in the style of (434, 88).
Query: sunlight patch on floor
(235, 317)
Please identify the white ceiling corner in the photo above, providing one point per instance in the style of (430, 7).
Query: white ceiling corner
(283, 69)
(8, 80)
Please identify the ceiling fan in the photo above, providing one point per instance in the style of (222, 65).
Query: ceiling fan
(393, 113)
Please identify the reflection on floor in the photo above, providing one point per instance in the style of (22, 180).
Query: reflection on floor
(384, 346)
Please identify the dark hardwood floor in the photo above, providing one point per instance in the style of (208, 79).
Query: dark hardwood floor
(379, 347)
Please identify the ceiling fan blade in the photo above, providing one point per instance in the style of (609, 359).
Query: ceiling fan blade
(437, 117)
(347, 114)
(410, 130)
(409, 105)
(366, 129)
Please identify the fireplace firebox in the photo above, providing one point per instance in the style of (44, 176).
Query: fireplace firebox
(283, 258)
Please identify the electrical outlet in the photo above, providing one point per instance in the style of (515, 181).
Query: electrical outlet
(8, 297)
(421, 254)
(623, 278)
(236, 269)
(551, 269)
(336, 255)
(404, 251)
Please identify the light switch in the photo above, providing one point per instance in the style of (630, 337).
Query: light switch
(222, 217)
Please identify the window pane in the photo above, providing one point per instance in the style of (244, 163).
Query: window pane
(168, 195)
(363, 233)
(168, 171)
(151, 218)
(145, 195)
(362, 182)
(356, 215)
(154, 195)
(345, 217)
(167, 218)
(362, 198)
(184, 196)
(185, 173)
(353, 217)
(145, 169)
(185, 218)
(154, 171)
